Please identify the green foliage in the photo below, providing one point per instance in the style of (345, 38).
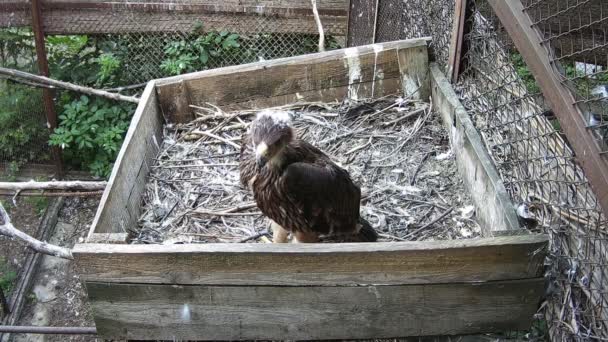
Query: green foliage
(91, 132)
(21, 126)
(7, 276)
(39, 203)
(524, 73)
(583, 82)
(199, 51)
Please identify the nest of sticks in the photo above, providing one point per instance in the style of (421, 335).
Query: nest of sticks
(396, 150)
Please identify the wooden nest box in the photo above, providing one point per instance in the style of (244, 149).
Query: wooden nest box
(227, 291)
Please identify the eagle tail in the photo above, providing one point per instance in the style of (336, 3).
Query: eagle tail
(366, 232)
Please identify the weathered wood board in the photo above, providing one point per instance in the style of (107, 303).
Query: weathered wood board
(120, 204)
(311, 312)
(301, 291)
(492, 203)
(381, 66)
(245, 16)
(511, 257)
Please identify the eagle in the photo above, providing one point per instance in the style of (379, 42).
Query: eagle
(297, 186)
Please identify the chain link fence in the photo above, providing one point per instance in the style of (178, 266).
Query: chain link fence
(119, 46)
(23, 131)
(538, 167)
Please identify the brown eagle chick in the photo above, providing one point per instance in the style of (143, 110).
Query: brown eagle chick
(297, 186)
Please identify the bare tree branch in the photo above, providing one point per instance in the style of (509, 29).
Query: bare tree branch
(7, 229)
(32, 79)
(54, 185)
(319, 26)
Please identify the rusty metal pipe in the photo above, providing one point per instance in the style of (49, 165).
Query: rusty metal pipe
(14, 329)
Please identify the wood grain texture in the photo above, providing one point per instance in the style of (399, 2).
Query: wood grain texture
(414, 69)
(176, 101)
(493, 206)
(258, 82)
(109, 16)
(120, 203)
(361, 22)
(135, 311)
(511, 257)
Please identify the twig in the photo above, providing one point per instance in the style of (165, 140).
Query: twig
(123, 88)
(387, 236)
(43, 193)
(439, 218)
(255, 236)
(211, 135)
(426, 156)
(17, 75)
(319, 26)
(7, 229)
(409, 115)
(223, 213)
(357, 148)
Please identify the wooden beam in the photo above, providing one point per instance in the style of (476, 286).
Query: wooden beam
(139, 311)
(120, 204)
(319, 72)
(89, 17)
(510, 257)
(43, 70)
(456, 52)
(362, 22)
(559, 98)
(494, 208)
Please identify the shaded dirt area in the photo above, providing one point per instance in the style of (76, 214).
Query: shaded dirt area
(58, 298)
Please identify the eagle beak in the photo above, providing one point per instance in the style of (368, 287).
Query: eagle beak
(261, 152)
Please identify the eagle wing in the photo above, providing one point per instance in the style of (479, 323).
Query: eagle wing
(328, 198)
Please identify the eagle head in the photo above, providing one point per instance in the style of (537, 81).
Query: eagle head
(270, 132)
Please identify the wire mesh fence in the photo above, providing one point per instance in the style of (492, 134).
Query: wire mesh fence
(120, 45)
(533, 156)
(23, 131)
(577, 32)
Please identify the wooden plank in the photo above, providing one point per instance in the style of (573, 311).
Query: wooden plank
(456, 41)
(294, 75)
(511, 257)
(89, 17)
(120, 203)
(379, 88)
(414, 69)
(138, 311)
(176, 102)
(559, 98)
(361, 22)
(494, 208)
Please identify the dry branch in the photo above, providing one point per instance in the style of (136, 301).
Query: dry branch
(42, 81)
(319, 26)
(7, 229)
(54, 185)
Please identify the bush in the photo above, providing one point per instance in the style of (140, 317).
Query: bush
(91, 133)
(21, 124)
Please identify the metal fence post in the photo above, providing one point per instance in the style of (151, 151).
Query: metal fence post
(43, 69)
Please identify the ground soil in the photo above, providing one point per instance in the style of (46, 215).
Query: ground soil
(58, 298)
(26, 217)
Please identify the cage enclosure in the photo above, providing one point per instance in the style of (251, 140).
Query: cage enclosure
(235, 291)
